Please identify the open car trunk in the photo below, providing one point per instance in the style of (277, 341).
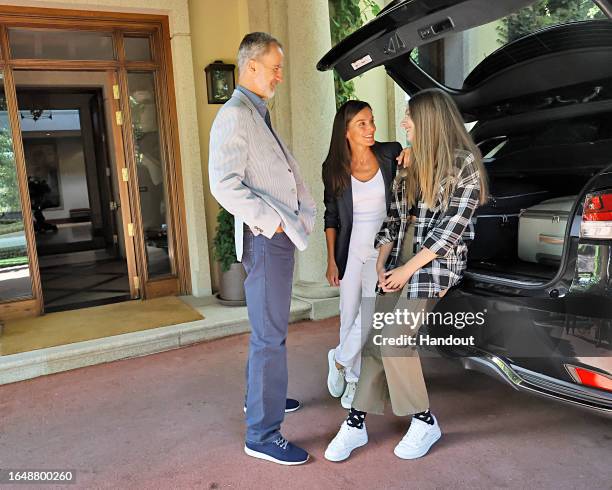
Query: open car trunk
(537, 174)
(541, 145)
(542, 107)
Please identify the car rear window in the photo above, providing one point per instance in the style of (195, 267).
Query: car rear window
(450, 60)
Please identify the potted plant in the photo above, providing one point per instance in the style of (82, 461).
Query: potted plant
(231, 281)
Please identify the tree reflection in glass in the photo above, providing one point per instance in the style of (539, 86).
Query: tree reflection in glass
(15, 279)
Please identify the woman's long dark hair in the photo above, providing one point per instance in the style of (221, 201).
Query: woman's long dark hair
(337, 164)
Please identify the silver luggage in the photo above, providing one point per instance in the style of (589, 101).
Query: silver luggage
(542, 230)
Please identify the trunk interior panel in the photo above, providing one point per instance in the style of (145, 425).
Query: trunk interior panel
(551, 162)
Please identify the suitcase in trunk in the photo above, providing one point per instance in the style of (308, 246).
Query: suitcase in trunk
(496, 222)
(496, 236)
(542, 230)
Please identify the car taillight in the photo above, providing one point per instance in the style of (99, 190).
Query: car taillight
(597, 216)
(590, 378)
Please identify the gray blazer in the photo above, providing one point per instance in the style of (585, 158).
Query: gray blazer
(256, 179)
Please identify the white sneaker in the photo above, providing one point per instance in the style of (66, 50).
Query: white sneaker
(349, 394)
(335, 376)
(347, 439)
(419, 438)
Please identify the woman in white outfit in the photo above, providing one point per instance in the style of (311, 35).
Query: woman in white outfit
(357, 175)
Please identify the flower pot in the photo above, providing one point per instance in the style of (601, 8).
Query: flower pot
(231, 284)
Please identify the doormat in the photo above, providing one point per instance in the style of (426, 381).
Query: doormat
(68, 327)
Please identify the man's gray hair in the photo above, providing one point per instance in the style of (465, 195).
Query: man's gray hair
(253, 46)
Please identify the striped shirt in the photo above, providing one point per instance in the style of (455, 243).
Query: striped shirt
(446, 233)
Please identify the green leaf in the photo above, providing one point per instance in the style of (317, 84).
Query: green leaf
(224, 249)
(345, 17)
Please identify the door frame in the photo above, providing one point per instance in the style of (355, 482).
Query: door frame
(120, 25)
(126, 207)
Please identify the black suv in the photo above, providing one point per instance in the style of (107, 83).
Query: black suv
(541, 263)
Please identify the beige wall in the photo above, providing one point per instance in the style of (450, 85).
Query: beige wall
(303, 108)
(464, 50)
(385, 97)
(272, 16)
(371, 87)
(176, 10)
(216, 34)
(73, 181)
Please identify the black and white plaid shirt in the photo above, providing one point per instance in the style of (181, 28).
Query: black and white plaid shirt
(446, 233)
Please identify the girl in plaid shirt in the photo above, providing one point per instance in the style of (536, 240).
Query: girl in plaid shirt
(438, 192)
(429, 228)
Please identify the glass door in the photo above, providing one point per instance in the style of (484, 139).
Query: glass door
(126, 185)
(73, 145)
(129, 201)
(150, 155)
(15, 273)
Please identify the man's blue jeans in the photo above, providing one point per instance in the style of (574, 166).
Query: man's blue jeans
(269, 267)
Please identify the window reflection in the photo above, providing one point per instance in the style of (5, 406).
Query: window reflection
(137, 49)
(150, 171)
(15, 279)
(50, 44)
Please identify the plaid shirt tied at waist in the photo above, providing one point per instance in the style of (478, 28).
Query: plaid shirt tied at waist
(446, 233)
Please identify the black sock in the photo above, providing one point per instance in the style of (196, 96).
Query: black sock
(425, 417)
(355, 418)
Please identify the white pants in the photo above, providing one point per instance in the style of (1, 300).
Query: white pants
(359, 281)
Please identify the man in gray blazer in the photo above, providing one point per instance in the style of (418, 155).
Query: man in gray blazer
(254, 176)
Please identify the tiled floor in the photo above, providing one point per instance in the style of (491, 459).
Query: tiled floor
(67, 233)
(76, 271)
(84, 283)
(70, 237)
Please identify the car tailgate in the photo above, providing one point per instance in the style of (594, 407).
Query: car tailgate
(407, 24)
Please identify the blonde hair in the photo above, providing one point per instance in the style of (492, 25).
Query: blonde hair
(439, 133)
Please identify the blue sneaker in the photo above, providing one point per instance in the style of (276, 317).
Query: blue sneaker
(279, 451)
(291, 405)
